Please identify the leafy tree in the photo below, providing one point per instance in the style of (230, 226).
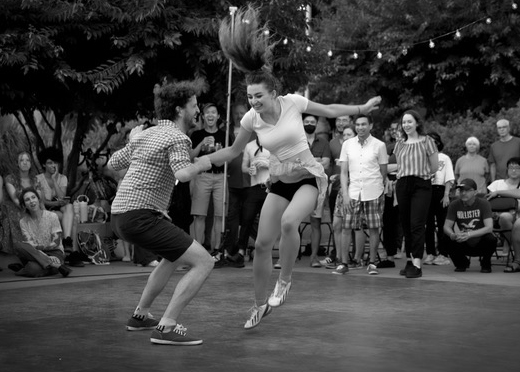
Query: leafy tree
(477, 71)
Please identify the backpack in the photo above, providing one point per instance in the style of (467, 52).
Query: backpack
(90, 244)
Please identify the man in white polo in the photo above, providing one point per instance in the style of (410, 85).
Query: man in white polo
(364, 163)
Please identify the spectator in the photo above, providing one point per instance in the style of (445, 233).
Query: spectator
(472, 165)
(392, 230)
(501, 151)
(337, 211)
(54, 190)
(41, 253)
(14, 184)
(238, 185)
(208, 184)
(321, 152)
(507, 188)
(474, 225)
(441, 186)
(363, 170)
(417, 161)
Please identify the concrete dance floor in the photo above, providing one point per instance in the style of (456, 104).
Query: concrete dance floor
(444, 321)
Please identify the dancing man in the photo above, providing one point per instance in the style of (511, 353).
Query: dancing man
(298, 181)
(155, 159)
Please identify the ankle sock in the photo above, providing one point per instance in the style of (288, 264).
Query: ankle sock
(166, 325)
(138, 312)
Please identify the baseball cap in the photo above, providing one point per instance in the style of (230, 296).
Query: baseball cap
(467, 184)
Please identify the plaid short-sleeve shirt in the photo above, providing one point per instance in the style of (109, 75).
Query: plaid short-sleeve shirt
(152, 158)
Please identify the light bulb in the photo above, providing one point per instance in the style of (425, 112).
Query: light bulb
(432, 44)
(285, 41)
(355, 55)
(266, 32)
(457, 34)
(329, 53)
(308, 48)
(379, 55)
(514, 6)
(488, 21)
(405, 51)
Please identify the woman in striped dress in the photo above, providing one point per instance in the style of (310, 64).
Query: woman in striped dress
(417, 162)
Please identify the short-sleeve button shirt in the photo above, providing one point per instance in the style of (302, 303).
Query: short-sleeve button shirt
(364, 160)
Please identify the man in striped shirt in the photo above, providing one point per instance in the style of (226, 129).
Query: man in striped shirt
(155, 159)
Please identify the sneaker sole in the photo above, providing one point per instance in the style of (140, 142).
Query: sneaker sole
(176, 343)
(129, 328)
(372, 273)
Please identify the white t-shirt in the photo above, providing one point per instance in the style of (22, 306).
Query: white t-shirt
(262, 174)
(445, 172)
(286, 138)
(49, 193)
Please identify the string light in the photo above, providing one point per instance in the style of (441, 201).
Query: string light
(514, 6)
(266, 32)
(285, 41)
(405, 51)
(379, 55)
(308, 48)
(488, 21)
(431, 44)
(457, 35)
(329, 53)
(355, 55)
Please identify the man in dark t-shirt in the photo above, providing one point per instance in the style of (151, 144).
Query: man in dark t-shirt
(469, 227)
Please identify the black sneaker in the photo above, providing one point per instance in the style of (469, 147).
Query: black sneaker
(236, 261)
(68, 244)
(222, 262)
(177, 336)
(385, 264)
(64, 270)
(408, 266)
(485, 269)
(15, 267)
(413, 272)
(141, 323)
(460, 269)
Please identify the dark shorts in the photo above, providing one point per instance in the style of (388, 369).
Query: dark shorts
(287, 190)
(150, 230)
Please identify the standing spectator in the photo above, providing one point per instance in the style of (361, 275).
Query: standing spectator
(417, 162)
(363, 171)
(238, 185)
(321, 152)
(441, 186)
(209, 184)
(336, 211)
(392, 229)
(155, 159)
(501, 151)
(473, 237)
(54, 190)
(41, 252)
(472, 165)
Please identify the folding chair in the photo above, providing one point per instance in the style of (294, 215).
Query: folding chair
(500, 205)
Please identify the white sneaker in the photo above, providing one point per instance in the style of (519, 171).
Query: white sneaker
(257, 313)
(154, 263)
(372, 269)
(441, 260)
(281, 290)
(278, 265)
(327, 260)
(429, 259)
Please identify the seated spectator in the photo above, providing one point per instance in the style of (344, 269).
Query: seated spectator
(41, 253)
(54, 190)
(25, 176)
(473, 166)
(507, 188)
(468, 228)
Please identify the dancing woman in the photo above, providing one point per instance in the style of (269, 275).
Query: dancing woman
(298, 181)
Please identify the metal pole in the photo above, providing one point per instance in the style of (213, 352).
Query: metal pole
(232, 10)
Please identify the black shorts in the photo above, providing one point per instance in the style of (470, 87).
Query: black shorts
(150, 230)
(287, 190)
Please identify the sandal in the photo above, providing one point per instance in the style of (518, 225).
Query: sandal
(513, 268)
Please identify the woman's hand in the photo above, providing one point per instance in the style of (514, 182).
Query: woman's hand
(445, 201)
(491, 195)
(371, 105)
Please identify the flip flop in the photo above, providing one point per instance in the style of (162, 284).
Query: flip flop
(512, 269)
